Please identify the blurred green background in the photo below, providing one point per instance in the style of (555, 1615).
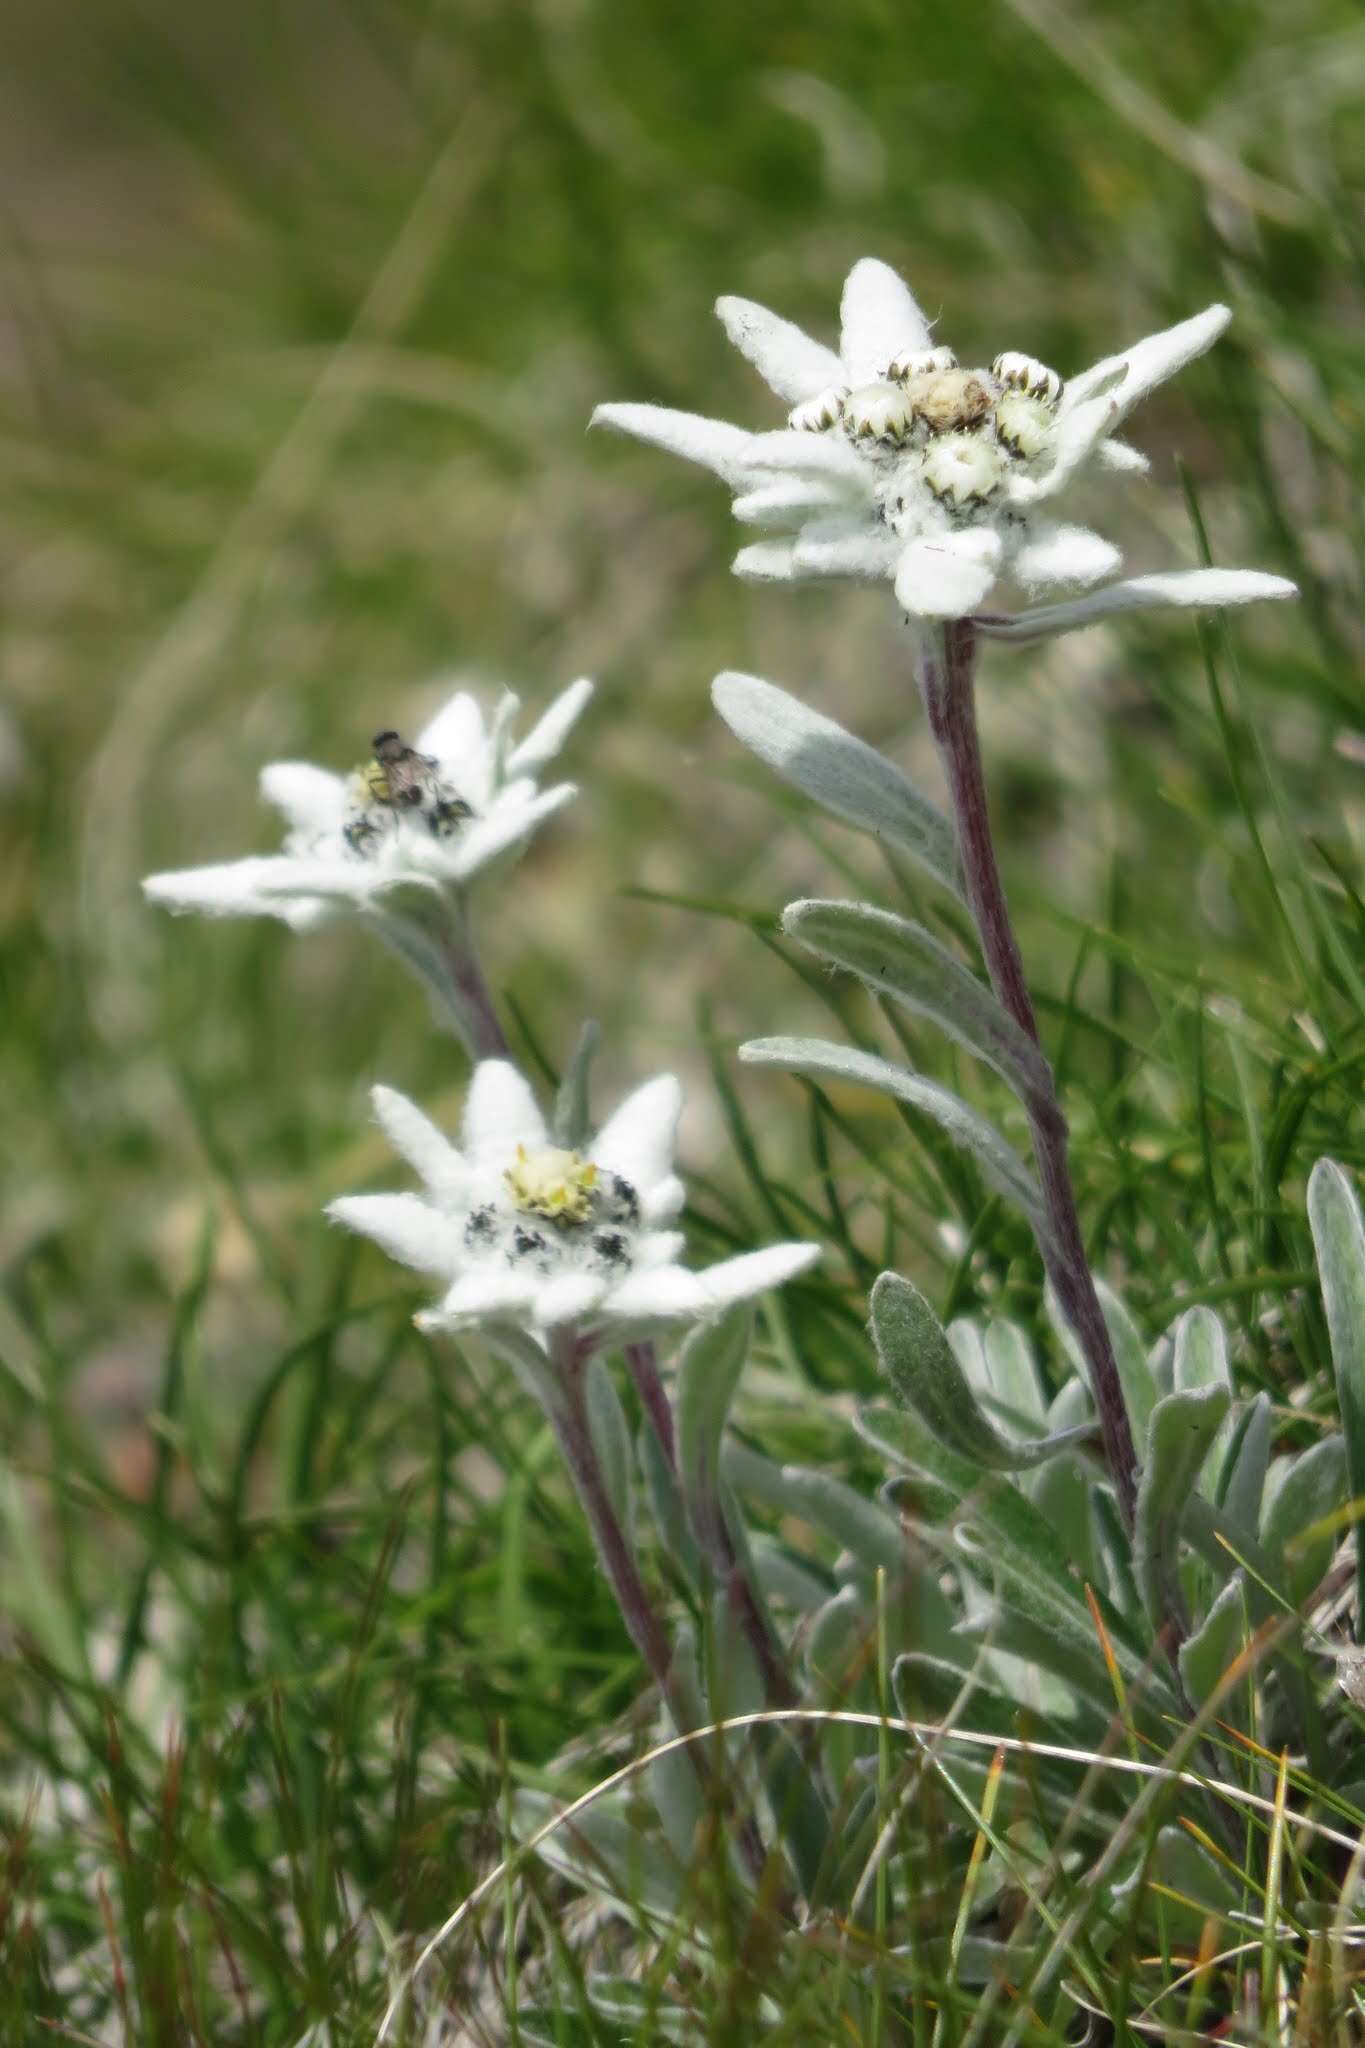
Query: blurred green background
(304, 312)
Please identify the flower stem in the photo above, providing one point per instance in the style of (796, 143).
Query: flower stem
(715, 1536)
(433, 938)
(568, 1415)
(947, 683)
(483, 1032)
(644, 1370)
(570, 1420)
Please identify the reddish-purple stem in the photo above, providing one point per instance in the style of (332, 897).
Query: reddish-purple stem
(483, 1032)
(644, 1370)
(949, 698)
(714, 1536)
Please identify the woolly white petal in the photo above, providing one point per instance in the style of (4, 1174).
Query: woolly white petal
(756, 1272)
(484, 1291)
(1149, 362)
(767, 561)
(1052, 554)
(879, 321)
(1204, 588)
(847, 548)
(948, 576)
(550, 731)
(638, 1139)
(1079, 432)
(405, 1226)
(500, 1113)
(665, 1200)
(456, 735)
(714, 443)
(310, 799)
(508, 824)
(790, 363)
(1119, 455)
(667, 1294)
(338, 880)
(417, 1139)
(500, 730)
(786, 503)
(568, 1298)
(788, 450)
(301, 913)
(658, 1248)
(230, 889)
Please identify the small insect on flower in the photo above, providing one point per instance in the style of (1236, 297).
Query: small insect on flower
(400, 779)
(398, 774)
(463, 798)
(362, 832)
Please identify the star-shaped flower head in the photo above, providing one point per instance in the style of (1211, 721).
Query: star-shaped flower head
(433, 813)
(524, 1233)
(897, 463)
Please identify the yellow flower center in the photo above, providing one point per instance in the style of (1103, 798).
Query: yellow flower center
(552, 1183)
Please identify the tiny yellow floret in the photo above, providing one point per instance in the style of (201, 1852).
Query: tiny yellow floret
(552, 1183)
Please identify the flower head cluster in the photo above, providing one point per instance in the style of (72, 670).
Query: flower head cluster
(526, 1232)
(898, 463)
(433, 813)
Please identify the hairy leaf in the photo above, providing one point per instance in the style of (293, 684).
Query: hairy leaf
(1339, 1236)
(1135, 1371)
(666, 1505)
(708, 1373)
(859, 1525)
(573, 1111)
(1310, 1491)
(1210, 1649)
(1181, 1430)
(611, 1438)
(842, 774)
(903, 960)
(1200, 1359)
(998, 1160)
(1244, 1469)
(919, 1362)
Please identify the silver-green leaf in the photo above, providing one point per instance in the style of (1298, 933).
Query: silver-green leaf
(1182, 1428)
(1210, 1649)
(1298, 1527)
(611, 1438)
(904, 961)
(573, 1112)
(1339, 1236)
(842, 774)
(920, 1363)
(822, 1059)
(708, 1373)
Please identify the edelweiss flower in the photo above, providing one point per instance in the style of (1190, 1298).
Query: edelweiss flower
(526, 1233)
(431, 814)
(897, 463)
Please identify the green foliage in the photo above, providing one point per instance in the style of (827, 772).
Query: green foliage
(918, 1360)
(306, 311)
